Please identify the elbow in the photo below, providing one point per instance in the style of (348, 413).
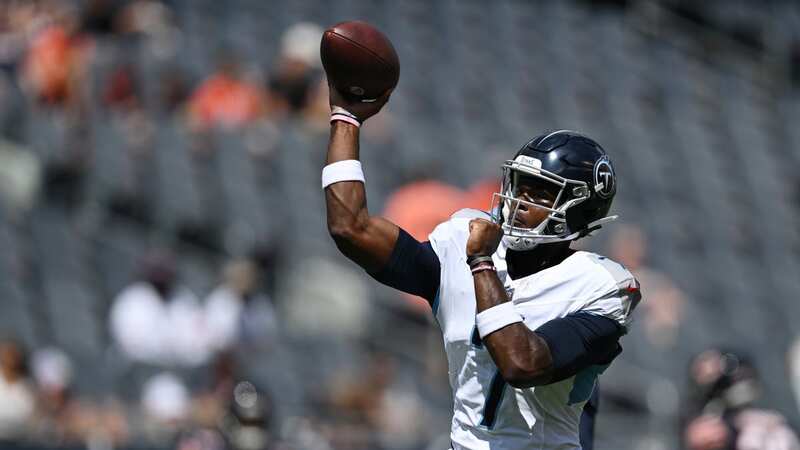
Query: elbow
(340, 230)
(345, 230)
(525, 374)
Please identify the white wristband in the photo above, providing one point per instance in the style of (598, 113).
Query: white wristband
(339, 113)
(347, 170)
(496, 317)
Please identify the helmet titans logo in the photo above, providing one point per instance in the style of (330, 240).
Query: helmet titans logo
(604, 178)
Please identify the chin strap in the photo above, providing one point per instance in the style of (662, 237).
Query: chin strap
(596, 225)
(590, 227)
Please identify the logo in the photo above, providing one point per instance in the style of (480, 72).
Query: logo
(604, 178)
(529, 161)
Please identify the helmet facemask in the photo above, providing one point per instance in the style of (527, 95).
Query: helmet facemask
(506, 205)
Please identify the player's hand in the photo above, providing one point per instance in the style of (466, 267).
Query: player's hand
(484, 237)
(363, 110)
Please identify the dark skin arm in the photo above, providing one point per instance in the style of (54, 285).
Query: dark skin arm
(366, 240)
(523, 358)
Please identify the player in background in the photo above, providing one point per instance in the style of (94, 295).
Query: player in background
(528, 323)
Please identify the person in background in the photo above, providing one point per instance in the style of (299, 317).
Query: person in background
(166, 404)
(724, 385)
(296, 73)
(17, 397)
(52, 370)
(236, 312)
(54, 68)
(64, 418)
(226, 98)
(157, 321)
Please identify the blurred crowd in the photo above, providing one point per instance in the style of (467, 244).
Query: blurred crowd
(186, 383)
(187, 361)
(182, 358)
(160, 328)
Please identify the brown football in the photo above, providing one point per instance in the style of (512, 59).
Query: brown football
(359, 60)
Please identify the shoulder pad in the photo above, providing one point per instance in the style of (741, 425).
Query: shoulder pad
(469, 213)
(621, 276)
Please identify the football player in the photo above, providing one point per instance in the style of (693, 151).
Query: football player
(528, 322)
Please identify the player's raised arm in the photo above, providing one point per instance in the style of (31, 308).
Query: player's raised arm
(387, 253)
(365, 239)
(362, 62)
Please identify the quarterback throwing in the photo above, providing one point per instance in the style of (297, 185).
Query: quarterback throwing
(528, 323)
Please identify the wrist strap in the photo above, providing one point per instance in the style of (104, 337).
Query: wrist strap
(343, 115)
(347, 170)
(496, 317)
(482, 267)
(472, 261)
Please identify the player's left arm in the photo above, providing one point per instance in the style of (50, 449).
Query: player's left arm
(555, 351)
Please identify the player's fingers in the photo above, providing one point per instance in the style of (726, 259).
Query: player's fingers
(382, 99)
(475, 223)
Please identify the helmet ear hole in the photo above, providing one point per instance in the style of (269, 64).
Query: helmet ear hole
(580, 191)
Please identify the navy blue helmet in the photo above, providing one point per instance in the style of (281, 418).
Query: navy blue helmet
(580, 172)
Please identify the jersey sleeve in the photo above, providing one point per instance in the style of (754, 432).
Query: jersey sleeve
(413, 267)
(580, 340)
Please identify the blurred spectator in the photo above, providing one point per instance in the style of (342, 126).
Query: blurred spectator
(421, 205)
(18, 19)
(297, 71)
(236, 313)
(418, 207)
(166, 403)
(21, 21)
(723, 388)
(225, 99)
(156, 320)
(55, 64)
(380, 402)
(121, 90)
(212, 400)
(62, 417)
(123, 94)
(52, 371)
(154, 20)
(247, 424)
(661, 314)
(17, 397)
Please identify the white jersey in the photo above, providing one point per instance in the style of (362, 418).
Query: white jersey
(487, 412)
